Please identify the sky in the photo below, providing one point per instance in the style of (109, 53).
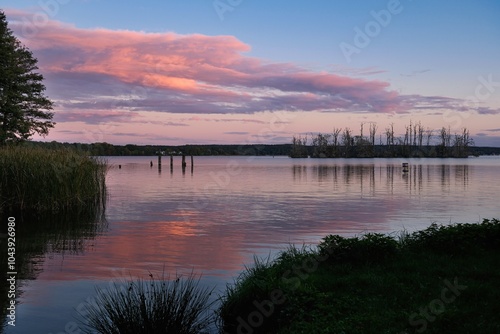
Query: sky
(171, 72)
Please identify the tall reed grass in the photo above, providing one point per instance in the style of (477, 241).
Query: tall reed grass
(41, 180)
(177, 306)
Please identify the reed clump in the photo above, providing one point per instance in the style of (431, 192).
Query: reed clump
(43, 180)
(161, 305)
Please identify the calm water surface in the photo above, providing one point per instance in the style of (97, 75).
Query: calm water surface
(215, 218)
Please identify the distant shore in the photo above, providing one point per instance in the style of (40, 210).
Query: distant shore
(106, 149)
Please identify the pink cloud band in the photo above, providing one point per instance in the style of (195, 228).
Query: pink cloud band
(111, 71)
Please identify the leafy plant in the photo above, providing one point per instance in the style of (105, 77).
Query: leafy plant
(457, 238)
(374, 284)
(371, 247)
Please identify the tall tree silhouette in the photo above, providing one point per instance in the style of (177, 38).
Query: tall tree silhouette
(24, 109)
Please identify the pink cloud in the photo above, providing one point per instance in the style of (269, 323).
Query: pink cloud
(96, 69)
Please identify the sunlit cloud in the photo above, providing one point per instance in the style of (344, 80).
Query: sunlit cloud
(117, 70)
(106, 84)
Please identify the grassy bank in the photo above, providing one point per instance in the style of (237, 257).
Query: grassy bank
(445, 279)
(39, 180)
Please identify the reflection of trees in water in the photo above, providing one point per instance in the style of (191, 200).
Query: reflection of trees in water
(462, 174)
(38, 235)
(299, 171)
(368, 177)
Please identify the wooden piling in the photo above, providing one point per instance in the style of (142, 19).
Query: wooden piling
(183, 161)
(171, 162)
(405, 167)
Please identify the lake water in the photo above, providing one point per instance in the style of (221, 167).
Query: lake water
(215, 218)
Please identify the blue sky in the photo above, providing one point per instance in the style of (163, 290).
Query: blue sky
(432, 52)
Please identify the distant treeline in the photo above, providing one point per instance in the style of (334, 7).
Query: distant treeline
(417, 141)
(106, 149)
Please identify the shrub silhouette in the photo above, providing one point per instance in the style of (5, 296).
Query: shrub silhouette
(156, 306)
(371, 247)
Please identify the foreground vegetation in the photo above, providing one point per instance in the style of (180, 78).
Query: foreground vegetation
(444, 279)
(177, 306)
(38, 179)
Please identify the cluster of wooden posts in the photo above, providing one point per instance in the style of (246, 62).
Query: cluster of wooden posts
(183, 163)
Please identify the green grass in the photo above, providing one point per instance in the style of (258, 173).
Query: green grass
(40, 180)
(177, 306)
(374, 284)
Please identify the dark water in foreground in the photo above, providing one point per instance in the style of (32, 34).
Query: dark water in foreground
(215, 219)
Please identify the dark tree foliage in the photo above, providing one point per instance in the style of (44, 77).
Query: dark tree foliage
(24, 109)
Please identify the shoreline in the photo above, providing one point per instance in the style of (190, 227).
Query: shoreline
(441, 279)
